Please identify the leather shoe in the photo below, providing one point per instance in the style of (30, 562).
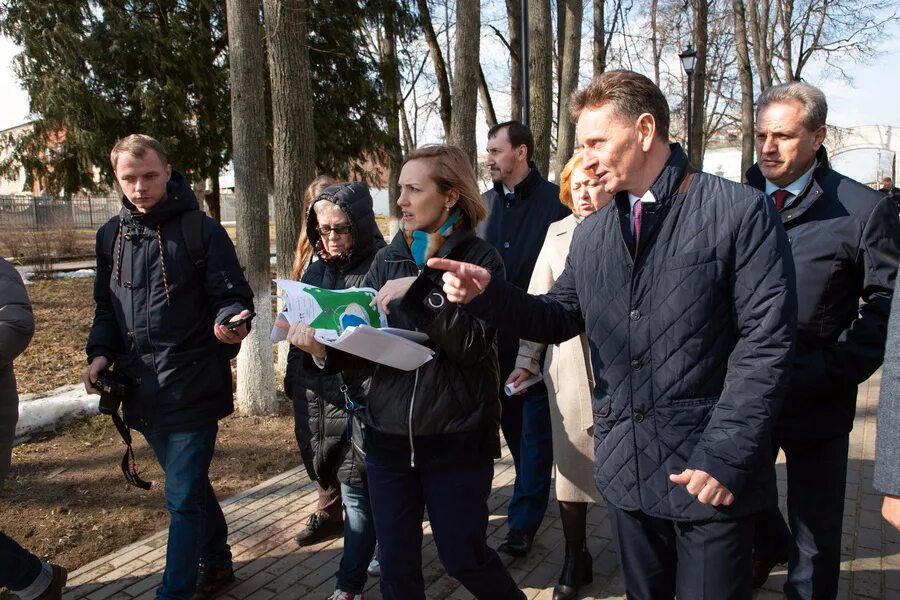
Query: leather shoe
(763, 565)
(518, 543)
(212, 580)
(319, 527)
(577, 570)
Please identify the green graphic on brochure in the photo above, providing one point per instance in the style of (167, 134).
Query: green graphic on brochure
(348, 308)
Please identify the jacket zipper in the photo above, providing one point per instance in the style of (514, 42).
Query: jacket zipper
(412, 400)
(412, 403)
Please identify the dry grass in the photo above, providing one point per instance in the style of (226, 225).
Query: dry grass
(63, 312)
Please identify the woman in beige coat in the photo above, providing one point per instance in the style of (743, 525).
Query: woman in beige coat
(567, 373)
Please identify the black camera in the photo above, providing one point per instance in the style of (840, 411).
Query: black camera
(112, 388)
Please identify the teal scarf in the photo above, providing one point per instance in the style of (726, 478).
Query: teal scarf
(424, 245)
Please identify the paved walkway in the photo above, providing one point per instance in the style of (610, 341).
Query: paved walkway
(269, 564)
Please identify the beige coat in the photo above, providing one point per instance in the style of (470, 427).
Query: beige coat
(567, 374)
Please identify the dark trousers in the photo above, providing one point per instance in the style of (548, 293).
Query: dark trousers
(456, 499)
(525, 423)
(18, 567)
(198, 534)
(661, 559)
(329, 500)
(816, 482)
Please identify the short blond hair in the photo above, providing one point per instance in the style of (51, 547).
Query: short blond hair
(565, 179)
(137, 144)
(451, 169)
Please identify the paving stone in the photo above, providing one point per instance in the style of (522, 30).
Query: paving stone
(263, 520)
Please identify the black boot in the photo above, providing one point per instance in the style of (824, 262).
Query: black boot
(577, 569)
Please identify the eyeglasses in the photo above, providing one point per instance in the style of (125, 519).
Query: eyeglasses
(324, 230)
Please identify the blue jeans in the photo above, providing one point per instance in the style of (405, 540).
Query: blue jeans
(456, 499)
(18, 567)
(359, 539)
(526, 427)
(197, 530)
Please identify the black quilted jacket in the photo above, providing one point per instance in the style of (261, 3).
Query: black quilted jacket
(691, 340)
(845, 239)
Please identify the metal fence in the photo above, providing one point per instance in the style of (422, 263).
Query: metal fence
(42, 212)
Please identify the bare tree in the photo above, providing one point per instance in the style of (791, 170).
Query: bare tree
(514, 17)
(255, 363)
(745, 71)
(390, 78)
(599, 41)
(437, 59)
(700, 35)
(293, 135)
(540, 70)
(484, 94)
(465, 77)
(572, 11)
(654, 41)
(787, 34)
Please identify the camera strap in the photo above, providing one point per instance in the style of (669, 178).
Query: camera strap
(128, 465)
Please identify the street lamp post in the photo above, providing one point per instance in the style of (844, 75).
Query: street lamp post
(688, 61)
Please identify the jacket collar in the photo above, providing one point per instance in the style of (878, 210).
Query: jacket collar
(179, 199)
(399, 249)
(665, 186)
(806, 198)
(525, 188)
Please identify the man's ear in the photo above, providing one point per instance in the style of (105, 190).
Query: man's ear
(522, 152)
(645, 126)
(819, 137)
(168, 171)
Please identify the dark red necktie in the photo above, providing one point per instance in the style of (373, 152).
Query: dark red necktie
(780, 196)
(636, 221)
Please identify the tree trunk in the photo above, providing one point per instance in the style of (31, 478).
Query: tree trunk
(484, 94)
(440, 68)
(759, 26)
(255, 363)
(540, 73)
(514, 17)
(599, 37)
(293, 134)
(571, 55)
(745, 71)
(214, 198)
(293, 142)
(698, 110)
(465, 77)
(654, 40)
(390, 77)
(408, 143)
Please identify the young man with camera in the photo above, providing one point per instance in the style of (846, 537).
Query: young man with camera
(172, 307)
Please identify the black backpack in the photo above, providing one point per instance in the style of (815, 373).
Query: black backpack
(191, 231)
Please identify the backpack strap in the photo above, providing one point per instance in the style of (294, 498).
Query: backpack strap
(192, 232)
(110, 233)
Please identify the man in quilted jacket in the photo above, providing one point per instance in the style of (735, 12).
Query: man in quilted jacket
(685, 288)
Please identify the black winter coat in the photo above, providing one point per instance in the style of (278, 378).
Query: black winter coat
(690, 338)
(154, 315)
(517, 230)
(335, 456)
(845, 240)
(447, 411)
